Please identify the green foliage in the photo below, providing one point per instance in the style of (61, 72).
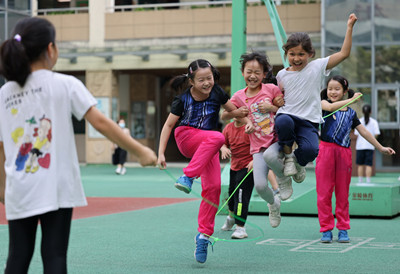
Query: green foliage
(387, 63)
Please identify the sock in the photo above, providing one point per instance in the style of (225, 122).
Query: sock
(290, 155)
(360, 179)
(368, 179)
(276, 191)
(202, 236)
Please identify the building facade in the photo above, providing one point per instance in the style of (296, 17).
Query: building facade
(127, 54)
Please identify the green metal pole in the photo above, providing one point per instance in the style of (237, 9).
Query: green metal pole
(239, 43)
(239, 46)
(280, 34)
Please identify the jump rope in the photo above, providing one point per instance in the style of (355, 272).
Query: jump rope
(216, 239)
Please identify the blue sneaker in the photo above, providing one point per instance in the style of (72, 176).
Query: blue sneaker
(200, 252)
(343, 237)
(184, 183)
(326, 237)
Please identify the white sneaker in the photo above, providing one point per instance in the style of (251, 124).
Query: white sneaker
(239, 233)
(300, 175)
(285, 187)
(229, 223)
(275, 212)
(118, 170)
(290, 167)
(123, 171)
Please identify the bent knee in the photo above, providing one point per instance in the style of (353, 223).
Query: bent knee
(218, 138)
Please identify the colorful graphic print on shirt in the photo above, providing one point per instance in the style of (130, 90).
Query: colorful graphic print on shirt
(263, 122)
(33, 146)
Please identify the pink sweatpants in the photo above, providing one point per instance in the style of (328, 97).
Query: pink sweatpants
(333, 173)
(202, 146)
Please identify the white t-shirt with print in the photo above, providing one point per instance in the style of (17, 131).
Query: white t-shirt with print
(302, 90)
(42, 169)
(373, 128)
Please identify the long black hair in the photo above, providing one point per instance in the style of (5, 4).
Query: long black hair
(28, 43)
(181, 81)
(367, 113)
(343, 82)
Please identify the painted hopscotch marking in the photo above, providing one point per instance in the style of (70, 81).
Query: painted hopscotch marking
(299, 245)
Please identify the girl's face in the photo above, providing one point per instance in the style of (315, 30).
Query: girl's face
(335, 91)
(253, 74)
(203, 81)
(298, 58)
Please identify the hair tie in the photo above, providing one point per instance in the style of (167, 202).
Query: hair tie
(186, 75)
(209, 64)
(345, 82)
(190, 70)
(17, 37)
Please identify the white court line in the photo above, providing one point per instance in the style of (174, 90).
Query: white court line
(357, 245)
(304, 245)
(382, 245)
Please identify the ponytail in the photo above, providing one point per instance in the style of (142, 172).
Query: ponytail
(28, 44)
(270, 78)
(350, 93)
(367, 113)
(179, 82)
(14, 61)
(324, 94)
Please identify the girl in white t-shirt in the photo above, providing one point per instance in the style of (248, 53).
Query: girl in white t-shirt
(39, 170)
(298, 120)
(364, 149)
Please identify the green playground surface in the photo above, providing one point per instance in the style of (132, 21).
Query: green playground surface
(139, 223)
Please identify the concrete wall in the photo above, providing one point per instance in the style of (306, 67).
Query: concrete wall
(185, 22)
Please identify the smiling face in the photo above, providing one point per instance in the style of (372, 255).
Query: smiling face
(202, 82)
(335, 91)
(298, 58)
(253, 74)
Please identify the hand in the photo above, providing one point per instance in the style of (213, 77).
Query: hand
(278, 101)
(357, 94)
(242, 112)
(225, 153)
(249, 128)
(161, 163)
(249, 166)
(264, 107)
(352, 20)
(147, 157)
(388, 151)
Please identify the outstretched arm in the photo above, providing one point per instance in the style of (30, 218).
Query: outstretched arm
(338, 57)
(114, 133)
(337, 105)
(165, 133)
(370, 138)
